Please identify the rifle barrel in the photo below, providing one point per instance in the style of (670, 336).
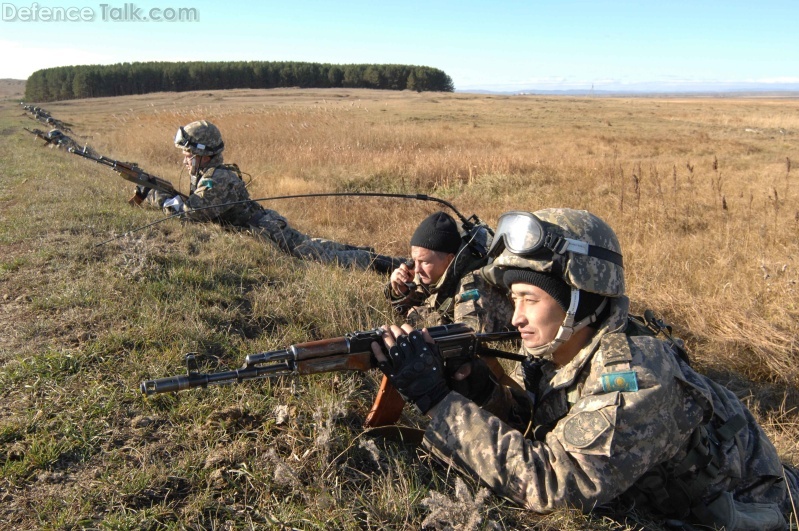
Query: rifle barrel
(192, 380)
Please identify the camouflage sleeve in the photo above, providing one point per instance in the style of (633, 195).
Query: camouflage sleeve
(483, 307)
(593, 454)
(424, 316)
(221, 188)
(157, 198)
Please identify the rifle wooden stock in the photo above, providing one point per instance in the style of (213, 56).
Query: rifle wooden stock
(387, 407)
(457, 344)
(131, 172)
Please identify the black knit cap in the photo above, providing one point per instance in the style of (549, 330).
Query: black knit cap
(557, 289)
(437, 232)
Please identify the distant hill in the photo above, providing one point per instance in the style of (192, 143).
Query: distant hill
(12, 88)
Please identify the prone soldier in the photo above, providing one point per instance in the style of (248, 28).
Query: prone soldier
(218, 193)
(443, 285)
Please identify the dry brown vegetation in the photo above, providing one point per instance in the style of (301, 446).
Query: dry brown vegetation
(700, 191)
(12, 88)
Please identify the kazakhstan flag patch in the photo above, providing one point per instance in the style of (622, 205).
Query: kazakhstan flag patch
(625, 381)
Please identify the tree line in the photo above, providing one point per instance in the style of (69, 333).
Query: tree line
(94, 81)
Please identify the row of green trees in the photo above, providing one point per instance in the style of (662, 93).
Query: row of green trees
(92, 81)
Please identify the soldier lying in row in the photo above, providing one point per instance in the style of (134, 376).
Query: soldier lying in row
(218, 193)
(55, 138)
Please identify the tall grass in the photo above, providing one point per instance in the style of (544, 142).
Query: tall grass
(701, 193)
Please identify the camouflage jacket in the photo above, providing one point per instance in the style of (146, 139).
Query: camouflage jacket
(213, 186)
(624, 407)
(462, 295)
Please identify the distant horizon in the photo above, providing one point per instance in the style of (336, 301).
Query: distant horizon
(609, 89)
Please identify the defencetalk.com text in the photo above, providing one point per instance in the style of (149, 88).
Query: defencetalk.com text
(127, 12)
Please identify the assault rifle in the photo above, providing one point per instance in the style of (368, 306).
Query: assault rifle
(41, 134)
(457, 344)
(131, 172)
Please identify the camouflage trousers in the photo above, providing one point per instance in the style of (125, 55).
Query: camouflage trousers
(274, 227)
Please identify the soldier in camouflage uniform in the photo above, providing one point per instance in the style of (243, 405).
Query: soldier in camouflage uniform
(218, 193)
(58, 139)
(442, 285)
(611, 415)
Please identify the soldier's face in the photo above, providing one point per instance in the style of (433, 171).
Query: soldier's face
(430, 265)
(188, 161)
(536, 314)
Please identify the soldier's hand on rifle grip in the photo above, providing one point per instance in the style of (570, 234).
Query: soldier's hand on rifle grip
(413, 365)
(474, 380)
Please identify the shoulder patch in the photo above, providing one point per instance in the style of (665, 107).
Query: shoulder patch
(616, 349)
(205, 182)
(469, 295)
(623, 381)
(584, 428)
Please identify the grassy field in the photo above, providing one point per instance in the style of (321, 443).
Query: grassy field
(700, 191)
(12, 88)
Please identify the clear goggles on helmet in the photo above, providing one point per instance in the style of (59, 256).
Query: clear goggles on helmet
(524, 234)
(185, 141)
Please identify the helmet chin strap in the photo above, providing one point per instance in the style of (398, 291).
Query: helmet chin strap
(567, 329)
(195, 165)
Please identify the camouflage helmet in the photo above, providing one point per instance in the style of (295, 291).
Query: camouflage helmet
(572, 244)
(54, 134)
(200, 138)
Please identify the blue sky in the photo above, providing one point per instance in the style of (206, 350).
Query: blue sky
(500, 45)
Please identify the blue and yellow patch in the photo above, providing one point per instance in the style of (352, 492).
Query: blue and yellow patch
(207, 183)
(470, 295)
(624, 381)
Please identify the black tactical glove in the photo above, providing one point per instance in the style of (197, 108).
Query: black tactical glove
(478, 385)
(384, 264)
(416, 370)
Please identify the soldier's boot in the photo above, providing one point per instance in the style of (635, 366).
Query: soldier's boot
(385, 264)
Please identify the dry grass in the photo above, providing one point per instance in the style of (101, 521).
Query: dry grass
(12, 89)
(700, 191)
(704, 204)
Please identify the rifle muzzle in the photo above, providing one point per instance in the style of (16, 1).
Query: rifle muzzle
(171, 384)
